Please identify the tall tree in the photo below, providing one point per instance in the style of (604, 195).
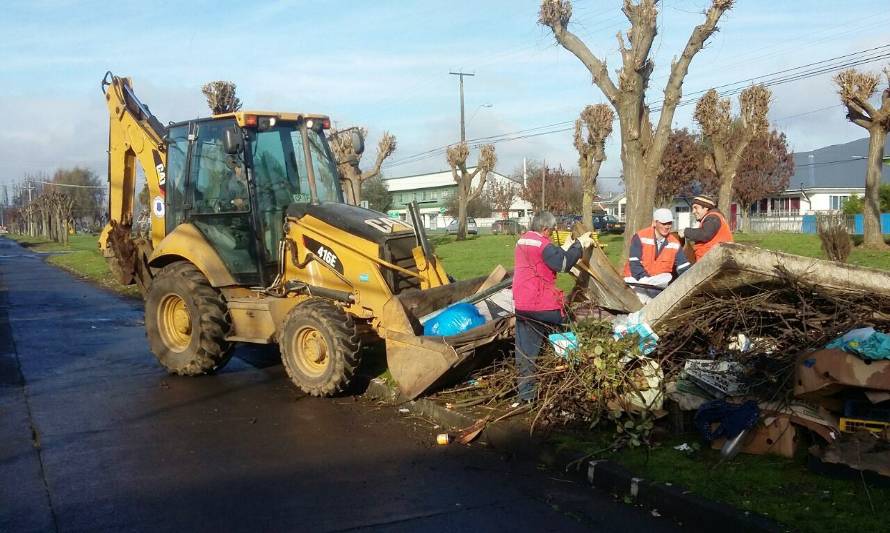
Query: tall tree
(457, 159)
(855, 89)
(728, 137)
(376, 192)
(766, 169)
(500, 194)
(349, 156)
(221, 97)
(641, 146)
(682, 171)
(561, 189)
(84, 189)
(591, 131)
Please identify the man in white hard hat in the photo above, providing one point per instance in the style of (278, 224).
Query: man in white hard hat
(656, 257)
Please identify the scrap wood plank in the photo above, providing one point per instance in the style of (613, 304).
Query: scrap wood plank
(603, 283)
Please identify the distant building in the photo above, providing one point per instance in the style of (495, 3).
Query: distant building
(433, 192)
(824, 179)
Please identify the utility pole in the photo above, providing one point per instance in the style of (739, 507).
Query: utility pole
(543, 184)
(29, 188)
(463, 132)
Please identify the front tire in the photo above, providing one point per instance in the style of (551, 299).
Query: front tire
(187, 322)
(320, 347)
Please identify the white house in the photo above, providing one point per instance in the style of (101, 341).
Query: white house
(432, 192)
(824, 179)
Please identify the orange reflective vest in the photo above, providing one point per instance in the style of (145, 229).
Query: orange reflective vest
(724, 234)
(662, 263)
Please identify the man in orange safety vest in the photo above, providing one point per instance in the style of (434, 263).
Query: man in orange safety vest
(656, 257)
(713, 228)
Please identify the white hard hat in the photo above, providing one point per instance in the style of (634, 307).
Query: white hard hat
(663, 215)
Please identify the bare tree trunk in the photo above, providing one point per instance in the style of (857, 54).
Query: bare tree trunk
(639, 189)
(724, 196)
(871, 213)
(589, 192)
(462, 213)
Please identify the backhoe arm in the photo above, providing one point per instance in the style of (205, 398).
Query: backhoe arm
(133, 134)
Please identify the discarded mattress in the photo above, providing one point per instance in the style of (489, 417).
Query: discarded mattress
(730, 266)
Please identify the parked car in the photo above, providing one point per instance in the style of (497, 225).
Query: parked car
(508, 226)
(472, 229)
(607, 224)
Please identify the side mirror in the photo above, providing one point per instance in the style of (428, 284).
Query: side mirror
(232, 141)
(358, 142)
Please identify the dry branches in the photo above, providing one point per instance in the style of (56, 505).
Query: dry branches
(221, 97)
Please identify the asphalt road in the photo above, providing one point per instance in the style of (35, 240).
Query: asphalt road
(95, 436)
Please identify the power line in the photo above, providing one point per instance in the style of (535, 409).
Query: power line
(821, 67)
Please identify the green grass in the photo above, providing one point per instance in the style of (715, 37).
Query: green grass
(809, 246)
(80, 256)
(782, 489)
(478, 255)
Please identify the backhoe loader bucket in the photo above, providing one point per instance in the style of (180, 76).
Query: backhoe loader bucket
(418, 362)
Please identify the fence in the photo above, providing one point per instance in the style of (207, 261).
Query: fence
(782, 222)
(792, 222)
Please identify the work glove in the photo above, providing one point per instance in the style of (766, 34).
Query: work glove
(680, 233)
(586, 240)
(568, 243)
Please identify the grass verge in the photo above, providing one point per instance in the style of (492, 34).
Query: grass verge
(80, 256)
(782, 489)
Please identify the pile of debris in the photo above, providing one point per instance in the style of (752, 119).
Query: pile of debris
(758, 347)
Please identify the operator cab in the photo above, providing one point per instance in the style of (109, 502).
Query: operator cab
(234, 175)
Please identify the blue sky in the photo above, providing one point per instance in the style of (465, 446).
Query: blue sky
(385, 65)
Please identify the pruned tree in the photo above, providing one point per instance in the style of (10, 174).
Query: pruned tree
(855, 90)
(349, 156)
(457, 159)
(727, 137)
(500, 194)
(591, 131)
(682, 171)
(641, 145)
(221, 97)
(766, 168)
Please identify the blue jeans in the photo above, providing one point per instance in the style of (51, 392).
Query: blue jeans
(532, 327)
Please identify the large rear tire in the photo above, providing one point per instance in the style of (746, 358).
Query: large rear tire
(320, 347)
(187, 322)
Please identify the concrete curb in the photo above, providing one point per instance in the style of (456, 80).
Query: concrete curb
(694, 512)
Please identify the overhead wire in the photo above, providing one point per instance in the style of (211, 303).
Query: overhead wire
(779, 77)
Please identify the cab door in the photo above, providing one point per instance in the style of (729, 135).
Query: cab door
(220, 205)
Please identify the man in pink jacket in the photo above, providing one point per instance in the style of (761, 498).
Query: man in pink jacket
(539, 304)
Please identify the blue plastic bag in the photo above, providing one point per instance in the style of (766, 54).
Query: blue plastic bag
(454, 320)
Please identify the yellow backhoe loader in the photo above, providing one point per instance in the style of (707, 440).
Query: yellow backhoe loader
(251, 241)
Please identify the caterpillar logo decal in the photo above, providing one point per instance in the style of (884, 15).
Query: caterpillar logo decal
(387, 225)
(326, 254)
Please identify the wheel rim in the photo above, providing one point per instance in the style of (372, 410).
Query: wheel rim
(174, 323)
(311, 351)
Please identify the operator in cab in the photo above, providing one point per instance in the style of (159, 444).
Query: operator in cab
(656, 257)
(712, 227)
(539, 304)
